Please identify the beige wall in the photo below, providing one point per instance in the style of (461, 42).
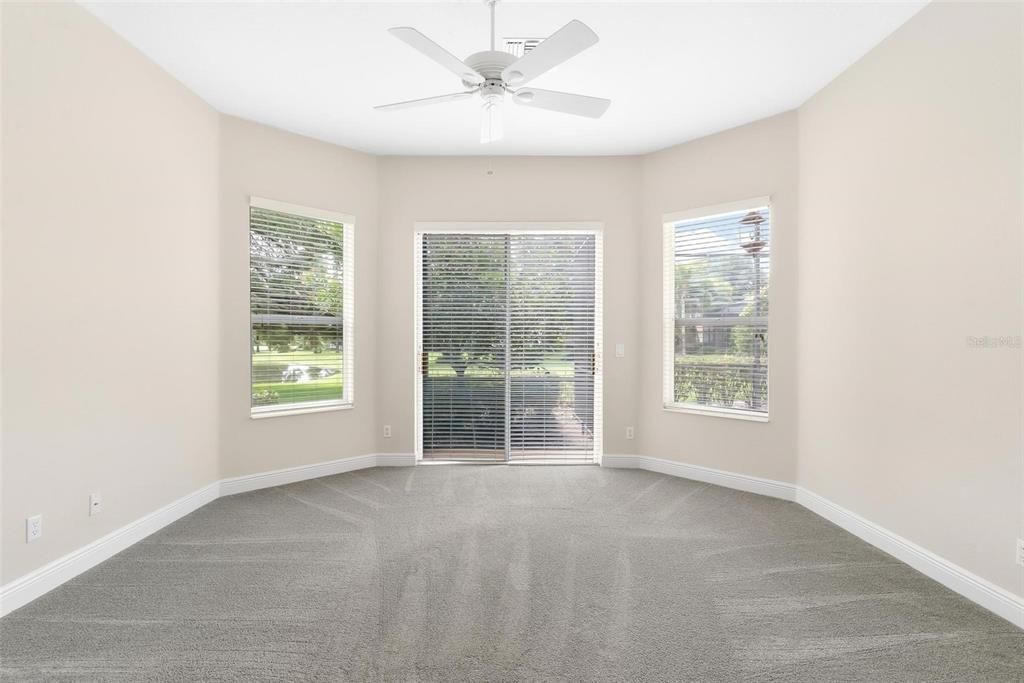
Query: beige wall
(110, 243)
(2, 526)
(530, 189)
(261, 161)
(755, 160)
(910, 242)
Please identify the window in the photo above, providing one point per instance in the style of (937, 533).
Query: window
(301, 305)
(717, 264)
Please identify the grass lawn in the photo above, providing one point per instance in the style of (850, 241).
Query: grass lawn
(268, 368)
(300, 357)
(326, 389)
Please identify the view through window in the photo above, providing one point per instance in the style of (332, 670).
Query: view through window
(508, 364)
(300, 288)
(717, 266)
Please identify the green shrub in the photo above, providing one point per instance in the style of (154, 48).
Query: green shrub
(717, 385)
(265, 398)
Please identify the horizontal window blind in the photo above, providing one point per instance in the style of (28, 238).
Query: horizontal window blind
(463, 362)
(301, 307)
(552, 345)
(717, 271)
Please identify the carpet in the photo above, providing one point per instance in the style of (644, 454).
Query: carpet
(498, 573)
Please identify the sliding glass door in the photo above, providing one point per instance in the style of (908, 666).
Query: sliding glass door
(552, 350)
(508, 350)
(464, 359)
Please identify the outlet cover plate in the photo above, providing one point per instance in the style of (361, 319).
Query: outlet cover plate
(33, 528)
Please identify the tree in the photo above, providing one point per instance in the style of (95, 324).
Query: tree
(295, 268)
(464, 299)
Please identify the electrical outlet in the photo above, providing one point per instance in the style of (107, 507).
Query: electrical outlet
(629, 433)
(1020, 551)
(33, 528)
(387, 431)
(95, 504)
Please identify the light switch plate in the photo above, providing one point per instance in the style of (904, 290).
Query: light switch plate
(620, 350)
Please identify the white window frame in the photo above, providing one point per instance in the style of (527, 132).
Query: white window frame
(347, 401)
(669, 304)
(422, 228)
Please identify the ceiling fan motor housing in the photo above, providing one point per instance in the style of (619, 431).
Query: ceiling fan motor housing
(490, 64)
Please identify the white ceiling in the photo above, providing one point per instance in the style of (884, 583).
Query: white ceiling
(673, 70)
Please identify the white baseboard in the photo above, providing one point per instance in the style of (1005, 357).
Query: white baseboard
(952, 576)
(27, 588)
(396, 459)
(290, 475)
(732, 480)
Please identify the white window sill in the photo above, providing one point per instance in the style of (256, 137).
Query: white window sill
(716, 412)
(299, 409)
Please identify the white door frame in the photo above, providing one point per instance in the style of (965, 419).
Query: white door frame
(595, 228)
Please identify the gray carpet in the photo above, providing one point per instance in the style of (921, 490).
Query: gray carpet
(504, 573)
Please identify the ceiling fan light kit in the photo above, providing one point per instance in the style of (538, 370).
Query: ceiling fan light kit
(494, 73)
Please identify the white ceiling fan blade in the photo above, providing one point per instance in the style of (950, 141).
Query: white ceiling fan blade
(426, 100)
(565, 102)
(566, 42)
(420, 42)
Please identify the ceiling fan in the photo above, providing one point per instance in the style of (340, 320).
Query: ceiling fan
(493, 73)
